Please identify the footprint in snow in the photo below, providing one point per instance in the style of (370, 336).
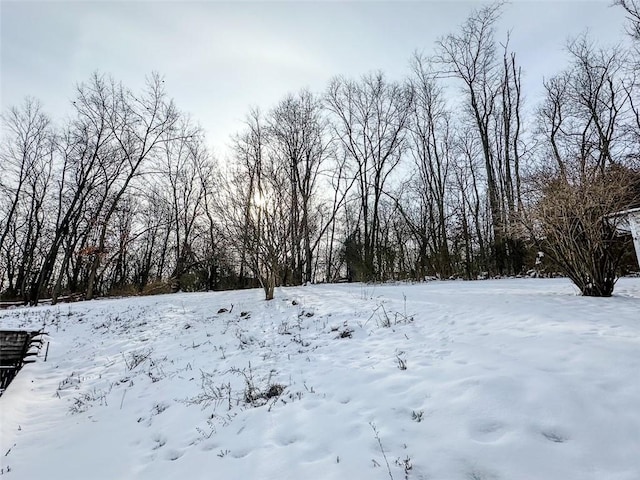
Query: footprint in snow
(173, 455)
(159, 441)
(554, 436)
(486, 431)
(283, 441)
(239, 453)
(477, 474)
(207, 447)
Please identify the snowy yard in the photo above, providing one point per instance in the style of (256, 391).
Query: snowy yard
(505, 379)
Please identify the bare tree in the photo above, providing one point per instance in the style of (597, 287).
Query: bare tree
(471, 205)
(590, 175)
(471, 57)
(214, 254)
(184, 158)
(632, 7)
(493, 95)
(138, 126)
(298, 132)
(256, 205)
(632, 85)
(338, 182)
(583, 111)
(371, 116)
(84, 146)
(27, 159)
(431, 144)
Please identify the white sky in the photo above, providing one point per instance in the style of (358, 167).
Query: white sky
(220, 58)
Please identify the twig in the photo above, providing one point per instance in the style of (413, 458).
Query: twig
(122, 401)
(384, 455)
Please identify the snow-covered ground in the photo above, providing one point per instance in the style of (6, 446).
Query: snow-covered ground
(505, 379)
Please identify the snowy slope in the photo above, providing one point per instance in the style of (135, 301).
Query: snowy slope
(506, 379)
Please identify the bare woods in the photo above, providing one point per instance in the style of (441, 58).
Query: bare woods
(445, 173)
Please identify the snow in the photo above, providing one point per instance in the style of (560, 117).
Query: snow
(495, 379)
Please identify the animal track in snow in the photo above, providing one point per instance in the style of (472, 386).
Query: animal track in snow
(173, 455)
(486, 431)
(160, 441)
(285, 440)
(239, 453)
(554, 436)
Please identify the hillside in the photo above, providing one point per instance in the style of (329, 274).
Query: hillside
(500, 379)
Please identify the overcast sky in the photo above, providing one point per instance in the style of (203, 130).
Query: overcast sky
(220, 58)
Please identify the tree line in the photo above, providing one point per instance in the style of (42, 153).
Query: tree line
(444, 173)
